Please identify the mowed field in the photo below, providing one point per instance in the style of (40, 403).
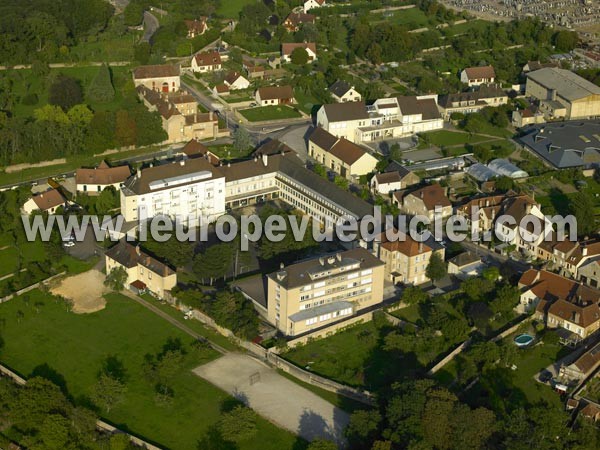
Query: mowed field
(41, 336)
(231, 8)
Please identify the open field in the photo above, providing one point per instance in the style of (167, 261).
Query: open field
(444, 137)
(85, 290)
(71, 348)
(275, 397)
(231, 8)
(262, 113)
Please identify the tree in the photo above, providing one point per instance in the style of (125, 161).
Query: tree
(413, 295)
(565, 40)
(101, 89)
(341, 182)
(141, 52)
(299, 56)
(54, 432)
(241, 139)
(238, 425)
(320, 170)
(504, 183)
(582, 207)
(436, 269)
(322, 444)
(507, 298)
(363, 427)
(65, 92)
(107, 392)
(116, 279)
(214, 262)
(126, 129)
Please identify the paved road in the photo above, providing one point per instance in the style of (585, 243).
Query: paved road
(150, 26)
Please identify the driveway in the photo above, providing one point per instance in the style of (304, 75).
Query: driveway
(275, 397)
(296, 139)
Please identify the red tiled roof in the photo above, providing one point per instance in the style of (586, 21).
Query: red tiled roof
(49, 199)
(288, 48)
(476, 73)
(208, 58)
(408, 246)
(102, 175)
(432, 196)
(155, 71)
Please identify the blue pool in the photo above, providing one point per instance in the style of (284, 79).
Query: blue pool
(523, 340)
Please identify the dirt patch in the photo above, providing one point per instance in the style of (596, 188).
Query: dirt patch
(276, 398)
(85, 290)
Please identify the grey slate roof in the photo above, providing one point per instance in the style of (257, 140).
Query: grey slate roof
(340, 88)
(567, 84)
(565, 144)
(340, 112)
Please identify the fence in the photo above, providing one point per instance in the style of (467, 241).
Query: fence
(100, 424)
(31, 287)
(271, 357)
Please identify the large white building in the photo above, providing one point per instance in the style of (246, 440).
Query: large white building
(386, 118)
(192, 190)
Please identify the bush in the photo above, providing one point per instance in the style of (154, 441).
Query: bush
(30, 99)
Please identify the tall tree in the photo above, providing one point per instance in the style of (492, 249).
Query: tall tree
(436, 269)
(582, 207)
(101, 89)
(65, 92)
(238, 425)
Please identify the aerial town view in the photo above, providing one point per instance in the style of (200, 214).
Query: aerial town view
(299, 224)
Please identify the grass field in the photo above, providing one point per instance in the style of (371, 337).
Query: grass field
(413, 18)
(26, 82)
(231, 8)
(269, 113)
(444, 137)
(74, 347)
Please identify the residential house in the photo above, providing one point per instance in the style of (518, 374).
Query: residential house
(465, 265)
(288, 48)
(531, 66)
(583, 366)
(191, 190)
(527, 116)
(195, 149)
(221, 90)
(196, 27)
(144, 273)
(320, 292)
(523, 225)
(161, 78)
(591, 412)
(274, 95)
(340, 155)
(560, 302)
(480, 213)
(255, 71)
(405, 259)
(205, 62)
(343, 119)
(343, 92)
(472, 101)
(312, 4)
(94, 181)
(294, 21)
(476, 76)
(429, 201)
(47, 202)
(387, 182)
(236, 81)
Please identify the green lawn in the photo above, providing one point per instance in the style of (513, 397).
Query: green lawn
(231, 8)
(413, 18)
(74, 346)
(262, 113)
(26, 82)
(444, 137)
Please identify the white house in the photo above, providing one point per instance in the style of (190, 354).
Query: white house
(274, 95)
(162, 78)
(235, 81)
(192, 190)
(384, 183)
(94, 181)
(48, 202)
(206, 62)
(475, 76)
(343, 92)
(312, 4)
(288, 48)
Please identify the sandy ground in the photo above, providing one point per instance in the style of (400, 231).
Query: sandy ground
(85, 290)
(276, 398)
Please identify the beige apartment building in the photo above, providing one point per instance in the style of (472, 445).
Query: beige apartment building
(430, 201)
(405, 259)
(144, 273)
(319, 292)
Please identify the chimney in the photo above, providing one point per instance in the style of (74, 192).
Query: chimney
(137, 250)
(228, 164)
(338, 256)
(210, 116)
(256, 159)
(422, 193)
(281, 266)
(139, 173)
(322, 261)
(584, 250)
(420, 247)
(182, 162)
(265, 160)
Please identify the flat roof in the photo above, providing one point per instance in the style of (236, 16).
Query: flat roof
(569, 85)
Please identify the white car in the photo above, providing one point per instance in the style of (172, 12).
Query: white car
(69, 244)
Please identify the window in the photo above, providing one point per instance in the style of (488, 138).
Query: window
(325, 317)
(311, 321)
(366, 281)
(367, 272)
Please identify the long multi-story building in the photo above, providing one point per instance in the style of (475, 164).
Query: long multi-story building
(192, 190)
(196, 189)
(319, 292)
(386, 118)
